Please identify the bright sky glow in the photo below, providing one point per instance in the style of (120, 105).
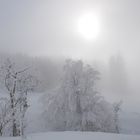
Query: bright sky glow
(89, 26)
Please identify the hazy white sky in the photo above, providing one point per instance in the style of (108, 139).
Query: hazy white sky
(49, 27)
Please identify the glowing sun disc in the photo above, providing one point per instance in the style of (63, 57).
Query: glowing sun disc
(89, 26)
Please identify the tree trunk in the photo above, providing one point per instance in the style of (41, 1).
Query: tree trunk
(1, 128)
(14, 125)
(79, 110)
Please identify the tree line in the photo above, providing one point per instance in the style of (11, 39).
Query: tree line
(75, 105)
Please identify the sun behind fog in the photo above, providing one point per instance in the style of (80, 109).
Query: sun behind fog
(89, 26)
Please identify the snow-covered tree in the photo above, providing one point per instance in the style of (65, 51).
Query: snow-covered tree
(17, 83)
(4, 114)
(79, 90)
(77, 105)
(117, 109)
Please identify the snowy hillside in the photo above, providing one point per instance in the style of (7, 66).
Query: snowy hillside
(76, 136)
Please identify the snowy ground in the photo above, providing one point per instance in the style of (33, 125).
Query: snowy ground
(76, 136)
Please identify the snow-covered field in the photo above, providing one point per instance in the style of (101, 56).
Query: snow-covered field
(76, 136)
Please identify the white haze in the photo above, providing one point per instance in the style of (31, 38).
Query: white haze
(47, 28)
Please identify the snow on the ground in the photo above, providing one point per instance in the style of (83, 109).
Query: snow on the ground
(75, 136)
